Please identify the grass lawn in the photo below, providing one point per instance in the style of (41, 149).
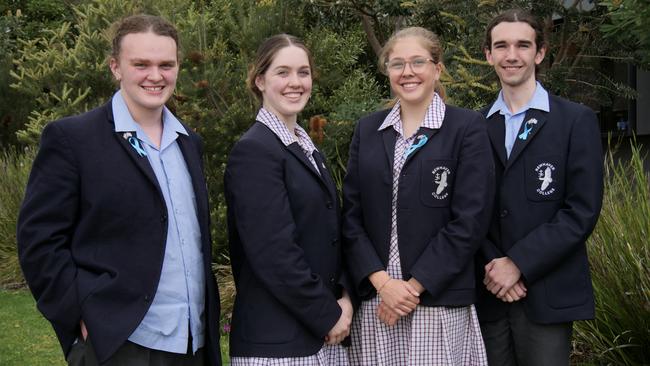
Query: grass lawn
(28, 339)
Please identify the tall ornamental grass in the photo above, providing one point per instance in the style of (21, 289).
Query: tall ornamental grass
(14, 170)
(619, 253)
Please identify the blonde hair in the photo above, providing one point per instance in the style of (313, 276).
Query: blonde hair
(427, 39)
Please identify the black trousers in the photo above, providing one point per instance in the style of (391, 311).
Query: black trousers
(517, 341)
(131, 354)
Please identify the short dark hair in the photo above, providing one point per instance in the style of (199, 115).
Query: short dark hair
(513, 16)
(266, 53)
(142, 23)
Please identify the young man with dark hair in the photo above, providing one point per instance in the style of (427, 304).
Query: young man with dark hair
(548, 161)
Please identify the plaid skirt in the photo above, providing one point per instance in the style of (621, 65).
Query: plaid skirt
(327, 356)
(428, 336)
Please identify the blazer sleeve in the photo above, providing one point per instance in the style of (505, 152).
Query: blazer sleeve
(45, 228)
(360, 254)
(489, 251)
(574, 222)
(263, 219)
(453, 248)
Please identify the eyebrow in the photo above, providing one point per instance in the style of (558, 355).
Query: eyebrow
(518, 42)
(279, 67)
(147, 61)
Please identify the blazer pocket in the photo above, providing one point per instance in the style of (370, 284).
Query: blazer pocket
(544, 178)
(437, 182)
(267, 321)
(567, 285)
(87, 285)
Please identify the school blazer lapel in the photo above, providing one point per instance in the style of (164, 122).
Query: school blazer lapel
(327, 178)
(389, 136)
(497, 132)
(535, 120)
(295, 149)
(428, 132)
(141, 161)
(195, 168)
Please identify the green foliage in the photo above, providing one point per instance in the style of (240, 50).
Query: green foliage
(629, 25)
(15, 166)
(21, 20)
(620, 266)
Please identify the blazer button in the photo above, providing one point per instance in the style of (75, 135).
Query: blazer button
(329, 205)
(146, 298)
(163, 218)
(504, 213)
(335, 241)
(331, 279)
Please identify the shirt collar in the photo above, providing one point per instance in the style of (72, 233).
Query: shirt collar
(280, 129)
(432, 119)
(125, 123)
(538, 101)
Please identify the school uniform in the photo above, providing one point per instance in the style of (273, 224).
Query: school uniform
(549, 192)
(284, 233)
(418, 207)
(115, 231)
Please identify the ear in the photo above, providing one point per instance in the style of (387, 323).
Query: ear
(115, 68)
(259, 82)
(488, 55)
(539, 56)
(437, 70)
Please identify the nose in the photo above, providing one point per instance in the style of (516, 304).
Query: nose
(155, 74)
(408, 66)
(511, 54)
(294, 80)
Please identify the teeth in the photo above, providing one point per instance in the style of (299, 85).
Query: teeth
(292, 95)
(152, 88)
(409, 85)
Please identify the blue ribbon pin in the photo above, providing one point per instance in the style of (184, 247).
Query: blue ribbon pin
(137, 146)
(528, 127)
(422, 139)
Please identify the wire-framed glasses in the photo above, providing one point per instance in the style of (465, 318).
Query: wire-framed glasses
(417, 64)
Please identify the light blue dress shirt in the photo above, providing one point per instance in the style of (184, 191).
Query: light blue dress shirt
(514, 121)
(178, 306)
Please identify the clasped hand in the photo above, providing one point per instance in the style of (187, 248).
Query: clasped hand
(398, 298)
(503, 279)
(341, 329)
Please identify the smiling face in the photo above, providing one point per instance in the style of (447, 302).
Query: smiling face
(286, 84)
(411, 87)
(147, 68)
(514, 54)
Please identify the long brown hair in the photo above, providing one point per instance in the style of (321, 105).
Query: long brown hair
(266, 53)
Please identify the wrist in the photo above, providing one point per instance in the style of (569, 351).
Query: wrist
(379, 278)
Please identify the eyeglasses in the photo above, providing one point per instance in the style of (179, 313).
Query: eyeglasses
(417, 64)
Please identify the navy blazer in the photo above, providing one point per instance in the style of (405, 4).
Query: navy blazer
(283, 228)
(92, 232)
(439, 231)
(549, 194)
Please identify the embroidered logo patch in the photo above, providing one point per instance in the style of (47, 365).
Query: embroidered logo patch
(545, 175)
(440, 177)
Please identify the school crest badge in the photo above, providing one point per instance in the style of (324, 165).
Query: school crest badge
(441, 177)
(545, 175)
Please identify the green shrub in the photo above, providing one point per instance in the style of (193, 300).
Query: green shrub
(15, 166)
(620, 257)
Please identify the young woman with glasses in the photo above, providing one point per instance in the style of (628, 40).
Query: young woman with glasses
(417, 199)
